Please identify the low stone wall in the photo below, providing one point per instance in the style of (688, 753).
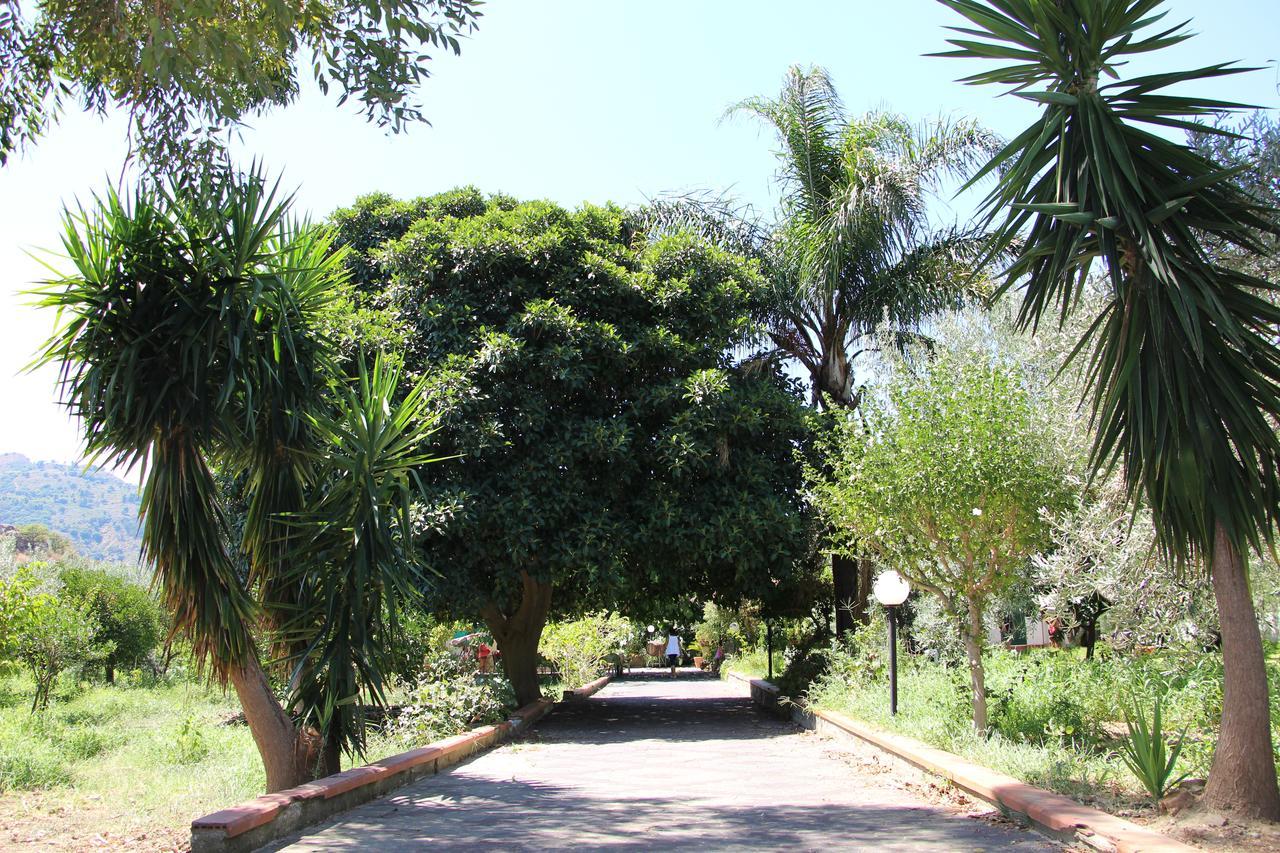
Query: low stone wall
(1054, 815)
(587, 690)
(264, 819)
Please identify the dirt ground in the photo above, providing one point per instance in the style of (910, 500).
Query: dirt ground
(34, 820)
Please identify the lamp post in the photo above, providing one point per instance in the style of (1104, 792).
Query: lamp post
(891, 589)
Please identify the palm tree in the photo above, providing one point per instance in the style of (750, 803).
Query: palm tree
(1184, 370)
(190, 337)
(852, 248)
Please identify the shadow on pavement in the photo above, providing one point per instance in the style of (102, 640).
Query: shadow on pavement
(537, 816)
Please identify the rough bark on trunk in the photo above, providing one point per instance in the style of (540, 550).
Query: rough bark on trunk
(1242, 778)
(288, 756)
(517, 635)
(977, 676)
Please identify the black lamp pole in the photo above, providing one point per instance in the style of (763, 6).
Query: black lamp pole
(893, 661)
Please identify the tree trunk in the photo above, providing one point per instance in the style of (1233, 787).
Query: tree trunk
(288, 756)
(1243, 776)
(851, 579)
(331, 755)
(518, 633)
(844, 574)
(109, 672)
(973, 638)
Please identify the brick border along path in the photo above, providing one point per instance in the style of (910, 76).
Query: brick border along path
(656, 764)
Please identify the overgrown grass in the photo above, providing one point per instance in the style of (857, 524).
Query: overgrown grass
(755, 663)
(161, 752)
(1055, 718)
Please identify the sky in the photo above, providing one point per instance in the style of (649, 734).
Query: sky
(574, 101)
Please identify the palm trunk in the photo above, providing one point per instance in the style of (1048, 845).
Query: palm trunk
(517, 636)
(977, 676)
(851, 578)
(1243, 776)
(288, 756)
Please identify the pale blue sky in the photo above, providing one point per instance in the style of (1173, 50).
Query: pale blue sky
(572, 100)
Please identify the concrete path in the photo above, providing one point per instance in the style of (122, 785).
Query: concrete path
(655, 764)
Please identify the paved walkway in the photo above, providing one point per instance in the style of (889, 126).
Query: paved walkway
(655, 764)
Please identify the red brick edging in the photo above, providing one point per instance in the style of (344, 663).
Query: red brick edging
(1054, 814)
(264, 819)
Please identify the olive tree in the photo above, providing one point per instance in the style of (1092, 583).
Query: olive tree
(949, 480)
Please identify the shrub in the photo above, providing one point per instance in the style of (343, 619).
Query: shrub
(1146, 753)
(451, 699)
(127, 617)
(189, 743)
(47, 633)
(578, 648)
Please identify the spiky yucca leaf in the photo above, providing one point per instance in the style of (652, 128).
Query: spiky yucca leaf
(1184, 370)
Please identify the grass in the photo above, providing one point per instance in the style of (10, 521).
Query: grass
(1055, 718)
(150, 758)
(755, 663)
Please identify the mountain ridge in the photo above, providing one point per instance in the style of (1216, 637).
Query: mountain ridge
(97, 510)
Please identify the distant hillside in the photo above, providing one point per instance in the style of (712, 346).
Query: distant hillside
(98, 511)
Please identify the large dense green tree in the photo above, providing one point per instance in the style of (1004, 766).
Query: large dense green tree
(1184, 369)
(611, 451)
(184, 73)
(190, 337)
(852, 246)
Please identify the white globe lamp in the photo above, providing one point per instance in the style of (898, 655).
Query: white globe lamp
(891, 589)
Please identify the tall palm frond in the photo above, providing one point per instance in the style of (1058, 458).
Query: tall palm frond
(160, 328)
(353, 551)
(1185, 373)
(1184, 367)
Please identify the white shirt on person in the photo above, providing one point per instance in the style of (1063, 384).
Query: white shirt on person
(673, 644)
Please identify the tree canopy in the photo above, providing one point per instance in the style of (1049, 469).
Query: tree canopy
(610, 450)
(184, 73)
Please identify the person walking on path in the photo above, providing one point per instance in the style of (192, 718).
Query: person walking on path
(674, 648)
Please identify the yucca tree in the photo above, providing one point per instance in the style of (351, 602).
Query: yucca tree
(189, 338)
(1184, 370)
(852, 247)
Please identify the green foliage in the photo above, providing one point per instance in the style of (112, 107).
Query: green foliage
(1147, 754)
(188, 72)
(451, 699)
(949, 481)
(98, 512)
(1184, 370)
(607, 443)
(1056, 719)
(353, 551)
(735, 628)
(189, 743)
(208, 284)
(47, 633)
(578, 648)
(125, 615)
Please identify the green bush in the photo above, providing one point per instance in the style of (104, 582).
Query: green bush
(450, 699)
(1146, 753)
(578, 649)
(189, 743)
(126, 616)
